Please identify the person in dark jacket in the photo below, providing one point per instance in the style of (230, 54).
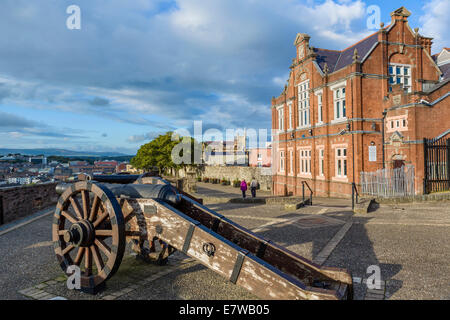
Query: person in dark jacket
(253, 187)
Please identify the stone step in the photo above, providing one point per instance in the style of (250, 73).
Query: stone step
(365, 205)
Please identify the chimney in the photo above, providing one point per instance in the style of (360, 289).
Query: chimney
(426, 43)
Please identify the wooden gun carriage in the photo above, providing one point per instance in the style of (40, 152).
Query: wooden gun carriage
(95, 218)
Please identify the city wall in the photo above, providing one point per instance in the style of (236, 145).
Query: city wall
(19, 202)
(262, 175)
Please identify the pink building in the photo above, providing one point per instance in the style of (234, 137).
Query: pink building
(260, 157)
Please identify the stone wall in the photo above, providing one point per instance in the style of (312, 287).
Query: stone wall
(18, 202)
(236, 172)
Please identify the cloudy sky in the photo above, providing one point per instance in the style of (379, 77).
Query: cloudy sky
(138, 68)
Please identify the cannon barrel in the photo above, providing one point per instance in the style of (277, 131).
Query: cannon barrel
(115, 178)
(122, 178)
(147, 191)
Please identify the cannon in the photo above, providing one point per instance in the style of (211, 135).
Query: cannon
(95, 219)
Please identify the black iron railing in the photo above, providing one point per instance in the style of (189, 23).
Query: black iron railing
(310, 192)
(355, 195)
(436, 164)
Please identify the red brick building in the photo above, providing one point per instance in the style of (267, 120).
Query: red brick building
(381, 96)
(105, 167)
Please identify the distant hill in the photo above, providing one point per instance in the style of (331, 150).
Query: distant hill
(61, 152)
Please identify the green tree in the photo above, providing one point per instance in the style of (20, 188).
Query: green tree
(163, 150)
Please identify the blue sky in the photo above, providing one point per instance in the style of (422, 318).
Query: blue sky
(139, 68)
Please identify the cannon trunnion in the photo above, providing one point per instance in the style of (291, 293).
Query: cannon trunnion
(93, 222)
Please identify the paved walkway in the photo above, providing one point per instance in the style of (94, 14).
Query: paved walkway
(409, 242)
(217, 192)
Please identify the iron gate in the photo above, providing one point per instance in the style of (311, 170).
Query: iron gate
(387, 183)
(437, 165)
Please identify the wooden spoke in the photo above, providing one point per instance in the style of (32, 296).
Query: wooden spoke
(104, 247)
(97, 258)
(128, 216)
(100, 219)
(134, 234)
(127, 210)
(85, 199)
(88, 262)
(68, 249)
(103, 233)
(79, 256)
(76, 207)
(69, 217)
(61, 232)
(94, 208)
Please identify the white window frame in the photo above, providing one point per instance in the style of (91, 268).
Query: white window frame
(341, 162)
(280, 111)
(304, 166)
(291, 127)
(281, 160)
(339, 101)
(321, 161)
(291, 161)
(319, 95)
(304, 113)
(395, 78)
(397, 123)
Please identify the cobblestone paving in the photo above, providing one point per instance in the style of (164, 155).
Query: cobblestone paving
(410, 243)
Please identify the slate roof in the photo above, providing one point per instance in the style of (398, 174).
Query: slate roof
(445, 68)
(340, 59)
(434, 57)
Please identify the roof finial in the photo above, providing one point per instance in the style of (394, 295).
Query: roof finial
(381, 25)
(325, 68)
(355, 56)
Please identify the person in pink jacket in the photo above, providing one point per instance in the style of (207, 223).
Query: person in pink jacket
(243, 187)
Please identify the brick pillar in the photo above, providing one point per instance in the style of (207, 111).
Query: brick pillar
(382, 38)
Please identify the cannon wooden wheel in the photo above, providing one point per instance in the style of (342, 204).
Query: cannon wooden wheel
(89, 231)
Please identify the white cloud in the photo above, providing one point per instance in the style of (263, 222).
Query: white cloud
(436, 23)
(219, 61)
